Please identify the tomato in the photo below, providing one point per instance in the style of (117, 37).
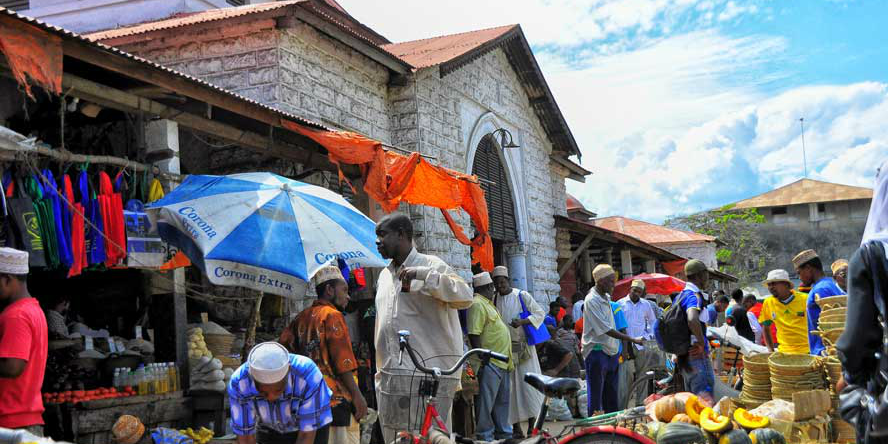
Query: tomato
(113, 389)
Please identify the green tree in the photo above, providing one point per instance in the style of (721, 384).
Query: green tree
(741, 251)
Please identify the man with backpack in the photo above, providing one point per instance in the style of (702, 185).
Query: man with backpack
(682, 333)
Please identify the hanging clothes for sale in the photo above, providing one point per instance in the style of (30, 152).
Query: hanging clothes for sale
(111, 205)
(45, 220)
(156, 191)
(78, 229)
(51, 194)
(94, 243)
(25, 227)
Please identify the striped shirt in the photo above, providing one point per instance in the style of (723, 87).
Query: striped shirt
(303, 406)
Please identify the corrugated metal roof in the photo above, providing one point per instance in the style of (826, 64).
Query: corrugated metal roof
(650, 233)
(436, 50)
(64, 33)
(574, 204)
(805, 191)
(187, 19)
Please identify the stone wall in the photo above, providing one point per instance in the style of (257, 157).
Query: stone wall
(703, 251)
(436, 116)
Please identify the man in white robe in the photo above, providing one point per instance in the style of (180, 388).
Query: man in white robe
(419, 293)
(525, 400)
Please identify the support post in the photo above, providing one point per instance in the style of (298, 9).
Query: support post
(250, 337)
(650, 266)
(626, 261)
(517, 256)
(580, 250)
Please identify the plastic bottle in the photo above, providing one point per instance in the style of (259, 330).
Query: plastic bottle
(115, 381)
(142, 380)
(174, 376)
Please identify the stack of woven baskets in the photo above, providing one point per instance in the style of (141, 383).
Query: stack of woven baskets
(756, 380)
(793, 373)
(832, 321)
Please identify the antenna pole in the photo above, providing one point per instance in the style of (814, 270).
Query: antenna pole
(804, 154)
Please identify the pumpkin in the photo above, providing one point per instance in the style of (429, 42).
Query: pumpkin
(667, 407)
(712, 422)
(693, 408)
(766, 436)
(750, 421)
(681, 417)
(735, 437)
(680, 433)
(652, 428)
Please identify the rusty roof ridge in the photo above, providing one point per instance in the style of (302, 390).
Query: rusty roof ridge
(452, 35)
(316, 10)
(70, 34)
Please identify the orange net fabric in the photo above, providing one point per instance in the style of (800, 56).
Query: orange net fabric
(391, 178)
(32, 53)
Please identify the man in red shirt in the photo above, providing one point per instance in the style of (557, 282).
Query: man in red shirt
(23, 346)
(753, 306)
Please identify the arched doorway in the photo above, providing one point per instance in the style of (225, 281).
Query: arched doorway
(487, 165)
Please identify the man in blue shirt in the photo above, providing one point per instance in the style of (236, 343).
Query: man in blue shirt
(697, 367)
(279, 398)
(810, 269)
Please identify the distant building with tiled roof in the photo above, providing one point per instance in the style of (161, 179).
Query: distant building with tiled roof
(827, 217)
(456, 99)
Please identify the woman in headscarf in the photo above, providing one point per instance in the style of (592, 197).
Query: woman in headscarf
(864, 402)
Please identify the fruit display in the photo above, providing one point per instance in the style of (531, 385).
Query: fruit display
(766, 436)
(713, 422)
(749, 421)
(680, 433)
(202, 436)
(75, 396)
(734, 437)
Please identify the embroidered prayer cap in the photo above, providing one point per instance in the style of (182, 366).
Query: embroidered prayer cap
(778, 275)
(500, 271)
(838, 265)
(602, 271)
(13, 261)
(804, 257)
(481, 279)
(269, 362)
(695, 266)
(328, 273)
(638, 283)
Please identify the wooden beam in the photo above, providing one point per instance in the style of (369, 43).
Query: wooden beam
(124, 101)
(576, 254)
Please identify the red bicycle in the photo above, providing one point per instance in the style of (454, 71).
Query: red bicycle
(585, 431)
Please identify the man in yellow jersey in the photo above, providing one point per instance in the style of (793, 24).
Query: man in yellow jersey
(786, 309)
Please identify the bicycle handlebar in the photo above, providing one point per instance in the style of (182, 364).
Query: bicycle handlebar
(404, 343)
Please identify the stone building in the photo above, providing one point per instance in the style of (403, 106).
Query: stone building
(444, 97)
(809, 213)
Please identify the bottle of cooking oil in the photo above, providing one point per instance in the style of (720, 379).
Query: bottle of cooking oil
(142, 378)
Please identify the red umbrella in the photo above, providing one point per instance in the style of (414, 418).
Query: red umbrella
(655, 283)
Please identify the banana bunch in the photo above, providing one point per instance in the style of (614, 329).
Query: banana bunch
(196, 346)
(202, 436)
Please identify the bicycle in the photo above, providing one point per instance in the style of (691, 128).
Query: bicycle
(594, 430)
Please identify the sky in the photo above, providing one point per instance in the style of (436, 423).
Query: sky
(685, 105)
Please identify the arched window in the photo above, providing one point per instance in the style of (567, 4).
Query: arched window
(500, 205)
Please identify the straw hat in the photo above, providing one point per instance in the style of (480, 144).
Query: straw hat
(500, 271)
(602, 271)
(481, 279)
(778, 275)
(269, 362)
(804, 257)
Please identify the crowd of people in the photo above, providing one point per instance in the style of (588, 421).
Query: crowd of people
(303, 388)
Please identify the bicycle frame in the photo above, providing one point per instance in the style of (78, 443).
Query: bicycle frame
(431, 414)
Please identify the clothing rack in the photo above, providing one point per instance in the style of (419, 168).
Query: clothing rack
(13, 150)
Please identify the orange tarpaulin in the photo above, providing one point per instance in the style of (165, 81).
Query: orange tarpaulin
(391, 178)
(33, 53)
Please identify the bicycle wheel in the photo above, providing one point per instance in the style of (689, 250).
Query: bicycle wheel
(613, 436)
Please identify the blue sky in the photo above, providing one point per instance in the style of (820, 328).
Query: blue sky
(683, 105)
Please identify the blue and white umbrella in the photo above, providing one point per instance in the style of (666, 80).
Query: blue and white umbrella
(264, 231)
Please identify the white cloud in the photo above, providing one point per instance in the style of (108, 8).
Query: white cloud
(733, 10)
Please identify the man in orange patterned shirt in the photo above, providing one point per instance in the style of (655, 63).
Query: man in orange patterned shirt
(320, 333)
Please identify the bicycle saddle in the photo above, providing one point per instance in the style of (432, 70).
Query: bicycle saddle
(552, 387)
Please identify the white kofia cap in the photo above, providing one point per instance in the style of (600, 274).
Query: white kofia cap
(269, 362)
(500, 271)
(328, 273)
(778, 276)
(481, 279)
(13, 261)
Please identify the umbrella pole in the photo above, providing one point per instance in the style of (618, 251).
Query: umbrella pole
(250, 337)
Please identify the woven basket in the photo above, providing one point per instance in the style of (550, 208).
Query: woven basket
(219, 345)
(757, 364)
(834, 311)
(833, 318)
(756, 380)
(784, 364)
(827, 326)
(831, 336)
(228, 361)
(832, 302)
